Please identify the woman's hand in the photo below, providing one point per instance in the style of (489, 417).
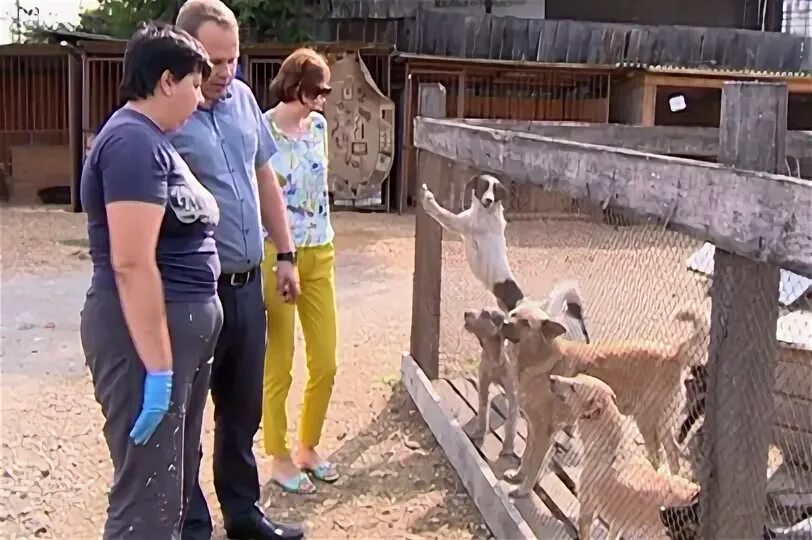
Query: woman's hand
(157, 394)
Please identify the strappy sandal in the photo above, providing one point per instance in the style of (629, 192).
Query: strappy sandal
(325, 472)
(298, 485)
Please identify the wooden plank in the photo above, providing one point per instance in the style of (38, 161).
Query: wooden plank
(428, 249)
(499, 514)
(796, 85)
(666, 140)
(739, 403)
(554, 495)
(75, 139)
(763, 216)
(538, 516)
(567, 474)
(499, 405)
(633, 101)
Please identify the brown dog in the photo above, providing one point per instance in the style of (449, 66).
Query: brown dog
(494, 367)
(645, 375)
(616, 484)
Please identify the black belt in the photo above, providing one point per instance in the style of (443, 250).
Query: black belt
(239, 279)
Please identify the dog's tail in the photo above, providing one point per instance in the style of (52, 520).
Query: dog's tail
(689, 313)
(566, 297)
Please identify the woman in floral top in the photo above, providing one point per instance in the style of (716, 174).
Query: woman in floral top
(300, 133)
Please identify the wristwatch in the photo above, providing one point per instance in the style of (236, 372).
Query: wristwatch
(286, 256)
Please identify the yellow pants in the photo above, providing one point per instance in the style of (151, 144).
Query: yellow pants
(317, 314)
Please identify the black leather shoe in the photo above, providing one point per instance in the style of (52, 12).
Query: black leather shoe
(262, 528)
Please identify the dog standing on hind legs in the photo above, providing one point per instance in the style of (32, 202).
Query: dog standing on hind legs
(495, 365)
(482, 227)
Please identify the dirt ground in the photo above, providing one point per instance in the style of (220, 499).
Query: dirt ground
(397, 484)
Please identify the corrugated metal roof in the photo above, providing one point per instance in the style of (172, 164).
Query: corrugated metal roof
(794, 327)
(74, 35)
(714, 71)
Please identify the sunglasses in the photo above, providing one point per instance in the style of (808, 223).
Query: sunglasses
(324, 91)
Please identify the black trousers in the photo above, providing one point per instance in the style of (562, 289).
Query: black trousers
(151, 483)
(236, 390)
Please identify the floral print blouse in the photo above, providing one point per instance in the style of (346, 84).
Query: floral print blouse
(300, 164)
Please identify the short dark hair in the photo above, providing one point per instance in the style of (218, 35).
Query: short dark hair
(303, 73)
(194, 13)
(155, 48)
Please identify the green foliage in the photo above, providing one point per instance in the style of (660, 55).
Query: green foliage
(278, 20)
(118, 18)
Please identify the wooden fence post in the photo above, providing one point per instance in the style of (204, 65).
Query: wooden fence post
(739, 412)
(428, 247)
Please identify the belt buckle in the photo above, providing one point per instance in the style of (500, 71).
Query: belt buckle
(241, 279)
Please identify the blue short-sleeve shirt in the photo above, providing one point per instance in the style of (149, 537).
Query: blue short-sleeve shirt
(224, 145)
(133, 160)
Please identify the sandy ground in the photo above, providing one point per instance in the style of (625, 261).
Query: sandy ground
(397, 484)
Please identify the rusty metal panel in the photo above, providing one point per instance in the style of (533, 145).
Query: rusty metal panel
(100, 91)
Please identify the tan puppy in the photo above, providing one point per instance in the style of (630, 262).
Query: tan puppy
(645, 375)
(615, 484)
(494, 367)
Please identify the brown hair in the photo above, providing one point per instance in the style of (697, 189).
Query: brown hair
(304, 73)
(194, 13)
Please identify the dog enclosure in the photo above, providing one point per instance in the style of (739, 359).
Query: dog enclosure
(641, 237)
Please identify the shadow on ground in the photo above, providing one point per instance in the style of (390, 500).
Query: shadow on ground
(431, 500)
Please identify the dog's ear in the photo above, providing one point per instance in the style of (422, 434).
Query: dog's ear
(500, 193)
(497, 318)
(471, 185)
(552, 329)
(510, 332)
(598, 404)
(594, 408)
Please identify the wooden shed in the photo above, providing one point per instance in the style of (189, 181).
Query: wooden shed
(38, 83)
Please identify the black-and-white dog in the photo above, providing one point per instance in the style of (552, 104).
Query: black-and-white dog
(482, 227)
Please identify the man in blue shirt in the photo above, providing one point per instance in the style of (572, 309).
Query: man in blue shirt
(227, 145)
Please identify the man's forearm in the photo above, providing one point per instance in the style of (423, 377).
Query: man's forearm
(274, 211)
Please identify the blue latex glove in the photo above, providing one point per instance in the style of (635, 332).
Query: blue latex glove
(157, 392)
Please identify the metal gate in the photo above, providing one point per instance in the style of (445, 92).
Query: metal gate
(100, 91)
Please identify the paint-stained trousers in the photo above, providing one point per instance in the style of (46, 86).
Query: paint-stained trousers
(151, 483)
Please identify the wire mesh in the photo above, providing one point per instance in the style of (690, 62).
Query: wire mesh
(634, 276)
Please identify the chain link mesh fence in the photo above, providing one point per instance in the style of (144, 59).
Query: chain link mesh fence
(634, 275)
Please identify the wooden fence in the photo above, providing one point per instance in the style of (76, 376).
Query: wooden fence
(758, 220)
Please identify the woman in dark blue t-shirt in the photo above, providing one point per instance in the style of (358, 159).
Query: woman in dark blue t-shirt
(151, 317)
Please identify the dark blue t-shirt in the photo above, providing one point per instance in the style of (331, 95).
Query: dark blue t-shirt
(132, 160)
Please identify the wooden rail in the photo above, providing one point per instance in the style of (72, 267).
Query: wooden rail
(666, 140)
(758, 215)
